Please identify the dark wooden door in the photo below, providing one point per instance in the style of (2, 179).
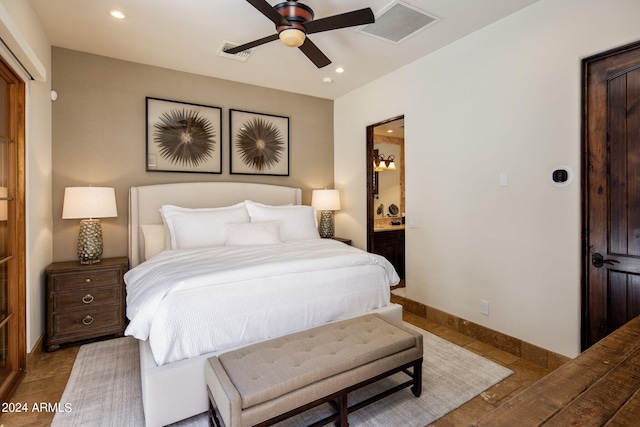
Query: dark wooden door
(611, 199)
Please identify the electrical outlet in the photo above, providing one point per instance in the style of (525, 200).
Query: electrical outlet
(484, 307)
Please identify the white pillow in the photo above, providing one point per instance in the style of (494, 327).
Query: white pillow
(296, 221)
(198, 228)
(153, 235)
(268, 206)
(252, 233)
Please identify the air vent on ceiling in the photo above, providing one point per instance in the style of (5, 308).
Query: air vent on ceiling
(399, 21)
(240, 56)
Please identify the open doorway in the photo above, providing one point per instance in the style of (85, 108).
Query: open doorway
(386, 191)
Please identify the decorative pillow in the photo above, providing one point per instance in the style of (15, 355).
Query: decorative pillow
(296, 221)
(252, 233)
(198, 228)
(153, 235)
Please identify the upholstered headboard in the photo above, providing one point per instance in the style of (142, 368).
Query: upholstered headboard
(145, 203)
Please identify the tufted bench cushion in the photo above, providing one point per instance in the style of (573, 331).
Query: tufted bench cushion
(266, 380)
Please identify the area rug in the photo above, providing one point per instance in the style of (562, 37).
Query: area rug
(104, 388)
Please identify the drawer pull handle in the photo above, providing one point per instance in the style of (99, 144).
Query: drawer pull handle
(87, 320)
(87, 280)
(87, 299)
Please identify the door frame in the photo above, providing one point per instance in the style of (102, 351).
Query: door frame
(370, 177)
(15, 322)
(585, 202)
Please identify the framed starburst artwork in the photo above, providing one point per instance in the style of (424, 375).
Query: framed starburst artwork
(183, 137)
(259, 143)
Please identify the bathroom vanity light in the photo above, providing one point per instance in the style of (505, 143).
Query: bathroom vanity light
(380, 163)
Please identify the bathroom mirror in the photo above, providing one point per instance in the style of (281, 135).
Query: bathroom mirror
(388, 167)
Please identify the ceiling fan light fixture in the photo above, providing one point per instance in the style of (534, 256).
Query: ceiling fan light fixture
(292, 37)
(294, 20)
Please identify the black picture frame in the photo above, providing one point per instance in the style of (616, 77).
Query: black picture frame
(259, 143)
(183, 137)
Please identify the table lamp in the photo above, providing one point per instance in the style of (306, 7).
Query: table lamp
(326, 201)
(89, 204)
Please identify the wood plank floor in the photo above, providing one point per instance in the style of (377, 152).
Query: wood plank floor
(599, 387)
(46, 382)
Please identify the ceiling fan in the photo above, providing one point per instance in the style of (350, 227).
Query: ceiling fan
(294, 21)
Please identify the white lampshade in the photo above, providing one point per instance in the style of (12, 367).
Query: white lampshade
(326, 200)
(89, 202)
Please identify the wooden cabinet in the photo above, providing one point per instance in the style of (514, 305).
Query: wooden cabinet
(390, 244)
(343, 240)
(85, 301)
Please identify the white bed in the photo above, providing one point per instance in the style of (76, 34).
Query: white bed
(173, 384)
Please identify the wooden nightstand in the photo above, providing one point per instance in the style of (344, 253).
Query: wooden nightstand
(343, 240)
(85, 301)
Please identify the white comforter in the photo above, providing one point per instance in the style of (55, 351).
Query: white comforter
(193, 301)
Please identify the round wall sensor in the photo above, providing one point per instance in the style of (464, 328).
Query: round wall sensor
(561, 176)
(54, 95)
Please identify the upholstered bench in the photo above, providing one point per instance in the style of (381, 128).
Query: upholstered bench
(270, 381)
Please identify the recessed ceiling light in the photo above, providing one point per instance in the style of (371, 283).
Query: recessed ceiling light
(327, 80)
(117, 14)
(389, 130)
(339, 70)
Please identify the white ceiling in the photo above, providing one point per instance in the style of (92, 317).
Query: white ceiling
(393, 129)
(186, 35)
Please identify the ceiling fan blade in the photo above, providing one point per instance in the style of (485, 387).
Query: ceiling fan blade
(343, 20)
(252, 44)
(314, 53)
(267, 10)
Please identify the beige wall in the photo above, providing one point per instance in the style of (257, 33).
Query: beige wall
(504, 99)
(99, 134)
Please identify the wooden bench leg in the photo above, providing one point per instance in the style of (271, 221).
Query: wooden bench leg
(417, 378)
(343, 409)
(214, 421)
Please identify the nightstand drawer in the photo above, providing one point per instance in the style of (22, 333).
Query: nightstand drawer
(87, 321)
(86, 298)
(90, 278)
